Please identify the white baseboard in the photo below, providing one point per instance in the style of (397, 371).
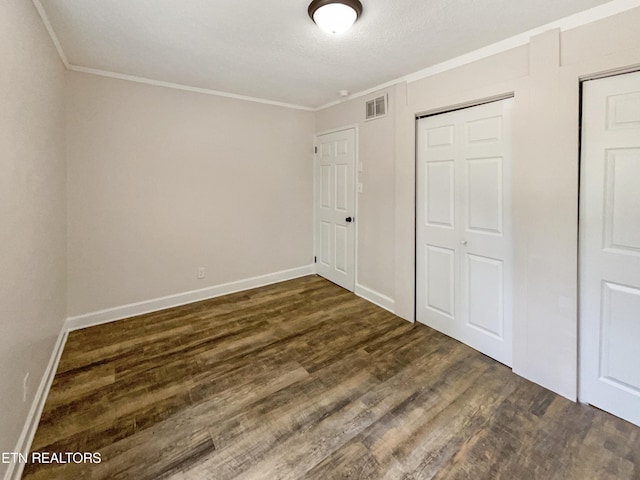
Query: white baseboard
(23, 446)
(376, 297)
(14, 472)
(147, 306)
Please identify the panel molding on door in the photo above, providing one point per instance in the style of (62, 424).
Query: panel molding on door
(463, 286)
(610, 246)
(335, 207)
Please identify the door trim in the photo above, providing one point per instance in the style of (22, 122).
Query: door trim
(614, 72)
(356, 128)
(463, 105)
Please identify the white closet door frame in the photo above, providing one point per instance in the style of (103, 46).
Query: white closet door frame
(356, 128)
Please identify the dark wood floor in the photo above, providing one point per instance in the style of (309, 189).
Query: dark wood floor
(305, 380)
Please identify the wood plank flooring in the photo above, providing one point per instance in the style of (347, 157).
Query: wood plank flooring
(304, 380)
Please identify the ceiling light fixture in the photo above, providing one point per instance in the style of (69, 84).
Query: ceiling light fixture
(335, 16)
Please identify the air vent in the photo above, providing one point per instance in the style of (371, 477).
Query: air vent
(376, 107)
(371, 109)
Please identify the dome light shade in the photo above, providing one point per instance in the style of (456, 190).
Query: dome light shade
(335, 16)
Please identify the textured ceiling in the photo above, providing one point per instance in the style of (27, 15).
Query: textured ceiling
(271, 49)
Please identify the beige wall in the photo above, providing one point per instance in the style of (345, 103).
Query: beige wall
(376, 203)
(162, 182)
(545, 77)
(32, 210)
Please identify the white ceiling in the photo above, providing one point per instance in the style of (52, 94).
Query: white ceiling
(270, 49)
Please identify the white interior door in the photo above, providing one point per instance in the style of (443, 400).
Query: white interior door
(463, 282)
(610, 246)
(335, 207)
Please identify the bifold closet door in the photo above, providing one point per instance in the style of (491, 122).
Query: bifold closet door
(463, 284)
(610, 246)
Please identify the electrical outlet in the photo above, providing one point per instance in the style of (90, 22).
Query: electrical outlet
(25, 387)
(201, 274)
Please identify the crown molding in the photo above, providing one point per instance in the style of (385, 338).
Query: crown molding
(361, 94)
(564, 24)
(45, 19)
(568, 23)
(187, 88)
(148, 81)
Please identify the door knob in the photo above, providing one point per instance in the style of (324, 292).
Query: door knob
(463, 242)
(348, 219)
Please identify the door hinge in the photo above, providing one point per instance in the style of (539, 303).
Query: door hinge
(315, 259)
(315, 149)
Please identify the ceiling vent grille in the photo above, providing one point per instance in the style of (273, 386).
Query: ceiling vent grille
(376, 107)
